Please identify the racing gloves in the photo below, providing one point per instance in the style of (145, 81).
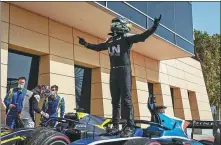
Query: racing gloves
(46, 115)
(82, 41)
(156, 21)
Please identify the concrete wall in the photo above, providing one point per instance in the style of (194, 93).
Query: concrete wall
(58, 46)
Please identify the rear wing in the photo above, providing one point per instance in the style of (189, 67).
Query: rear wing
(197, 124)
(203, 124)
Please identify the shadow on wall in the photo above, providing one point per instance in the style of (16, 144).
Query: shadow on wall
(193, 105)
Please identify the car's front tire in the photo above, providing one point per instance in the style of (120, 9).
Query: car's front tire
(45, 136)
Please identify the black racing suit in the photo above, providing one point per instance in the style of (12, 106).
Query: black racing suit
(120, 74)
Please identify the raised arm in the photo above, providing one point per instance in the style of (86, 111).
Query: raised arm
(143, 36)
(96, 47)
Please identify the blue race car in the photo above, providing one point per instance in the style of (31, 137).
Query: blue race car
(170, 133)
(162, 129)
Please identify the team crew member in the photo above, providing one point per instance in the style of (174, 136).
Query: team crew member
(119, 45)
(14, 102)
(31, 105)
(53, 103)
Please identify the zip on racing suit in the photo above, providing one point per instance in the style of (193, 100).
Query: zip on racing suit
(119, 46)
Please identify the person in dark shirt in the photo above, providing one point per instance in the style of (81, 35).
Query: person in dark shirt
(40, 91)
(118, 46)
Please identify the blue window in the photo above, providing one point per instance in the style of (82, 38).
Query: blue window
(128, 12)
(184, 44)
(142, 6)
(83, 87)
(166, 9)
(183, 20)
(22, 65)
(163, 32)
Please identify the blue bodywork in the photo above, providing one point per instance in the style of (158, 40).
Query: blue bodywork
(174, 125)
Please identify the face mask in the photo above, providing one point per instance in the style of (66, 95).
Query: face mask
(53, 93)
(21, 86)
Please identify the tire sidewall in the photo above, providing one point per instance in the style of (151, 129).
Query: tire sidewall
(54, 138)
(40, 138)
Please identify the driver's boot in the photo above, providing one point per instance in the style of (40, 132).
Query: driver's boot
(127, 132)
(114, 130)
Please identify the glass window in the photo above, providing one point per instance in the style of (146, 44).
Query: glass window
(22, 65)
(184, 44)
(83, 87)
(102, 2)
(142, 6)
(163, 32)
(183, 20)
(172, 96)
(150, 89)
(128, 12)
(166, 9)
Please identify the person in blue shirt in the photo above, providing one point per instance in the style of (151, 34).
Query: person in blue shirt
(14, 102)
(53, 103)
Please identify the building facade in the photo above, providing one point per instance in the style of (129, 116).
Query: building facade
(39, 41)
